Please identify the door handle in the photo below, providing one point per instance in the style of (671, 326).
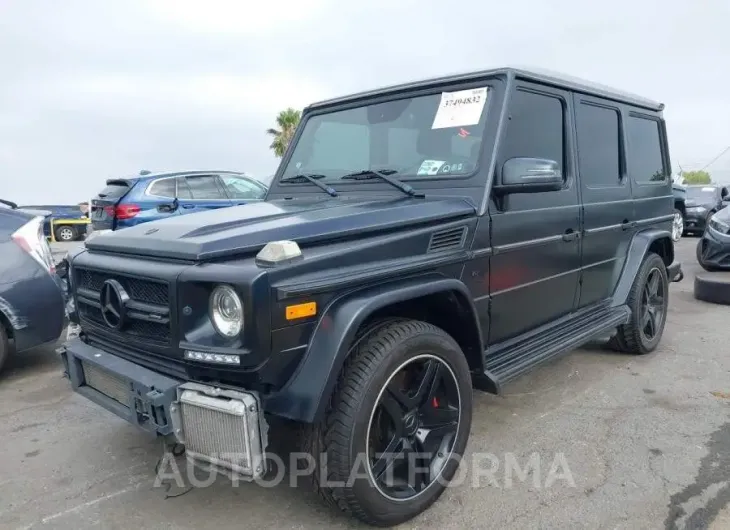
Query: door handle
(627, 224)
(188, 206)
(570, 235)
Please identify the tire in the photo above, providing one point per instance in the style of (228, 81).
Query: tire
(344, 478)
(713, 288)
(677, 225)
(633, 337)
(4, 346)
(65, 233)
(701, 261)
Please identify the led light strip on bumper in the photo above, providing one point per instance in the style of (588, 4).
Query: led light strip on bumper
(216, 358)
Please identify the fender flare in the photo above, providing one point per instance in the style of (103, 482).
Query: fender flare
(306, 395)
(639, 247)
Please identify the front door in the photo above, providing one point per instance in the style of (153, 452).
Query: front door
(535, 266)
(197, 193)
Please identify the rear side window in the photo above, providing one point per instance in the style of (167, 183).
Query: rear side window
(535, 128)
(599, 146)
(204, 188)
(114, 191)
(645, 162)
(163, 188)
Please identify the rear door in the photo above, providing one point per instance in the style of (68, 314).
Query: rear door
(104, 204)
(197, 193)
(608, 208)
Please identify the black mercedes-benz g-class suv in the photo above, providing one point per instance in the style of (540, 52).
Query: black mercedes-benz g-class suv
(418, 241)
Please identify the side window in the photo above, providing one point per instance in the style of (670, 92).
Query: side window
(645, 161)
(163, 188)
(183, 190)
(204, 187)
(535, 129)
(599, 146)
(239, 188)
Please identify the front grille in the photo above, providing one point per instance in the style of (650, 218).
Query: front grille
(106, 383)
(148, 291)
(147, 309)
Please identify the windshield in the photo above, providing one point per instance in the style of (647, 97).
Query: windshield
(701, 193)
(431, 136)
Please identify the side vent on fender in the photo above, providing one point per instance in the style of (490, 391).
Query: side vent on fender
(449, 239)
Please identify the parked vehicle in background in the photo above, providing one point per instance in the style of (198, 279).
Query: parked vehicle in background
(713, 249)
(680, 210)
(126, 202)
(65, 222)
(701, 203)
(32, 308)
(417, 242)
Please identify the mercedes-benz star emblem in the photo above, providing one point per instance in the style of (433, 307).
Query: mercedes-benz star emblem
(113, 304)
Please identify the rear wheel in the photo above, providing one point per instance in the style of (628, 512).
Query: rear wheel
(65, 233)
(648, 301)
(677, 225)
(4, 346)
(397, 425)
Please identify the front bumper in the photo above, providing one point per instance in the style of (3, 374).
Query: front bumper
(715, 249)
(221, 429)
(695, 221)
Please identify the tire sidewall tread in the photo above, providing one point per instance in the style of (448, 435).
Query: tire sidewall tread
(343, 430)
(629, 338)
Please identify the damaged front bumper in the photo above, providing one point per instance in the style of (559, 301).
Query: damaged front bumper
(714, 249)
(221, 429)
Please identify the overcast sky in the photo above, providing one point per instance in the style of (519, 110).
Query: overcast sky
(92, 89)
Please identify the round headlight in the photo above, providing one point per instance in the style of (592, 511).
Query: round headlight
(226, 311)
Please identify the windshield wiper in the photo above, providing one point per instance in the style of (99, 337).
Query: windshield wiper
(311, 177)
(383, 175)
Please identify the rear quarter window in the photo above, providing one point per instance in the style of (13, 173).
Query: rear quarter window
(114, 191)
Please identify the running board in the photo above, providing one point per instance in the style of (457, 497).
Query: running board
(507, 361)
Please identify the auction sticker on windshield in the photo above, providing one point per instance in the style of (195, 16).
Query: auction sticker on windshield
(459, 109)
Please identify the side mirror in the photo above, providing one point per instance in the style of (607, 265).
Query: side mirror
(529, 175)
(169, 207)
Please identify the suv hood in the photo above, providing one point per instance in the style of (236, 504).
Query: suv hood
(245, 229)
(694, 202)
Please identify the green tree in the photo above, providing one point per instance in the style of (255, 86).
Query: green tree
(696, 177)
(286, 121)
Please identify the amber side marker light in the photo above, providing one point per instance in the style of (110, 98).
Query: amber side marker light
(294, 312)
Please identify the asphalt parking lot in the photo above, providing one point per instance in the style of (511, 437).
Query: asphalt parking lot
(616, 442)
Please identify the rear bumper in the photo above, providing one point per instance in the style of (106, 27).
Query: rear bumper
(674, 272)
(221, 429)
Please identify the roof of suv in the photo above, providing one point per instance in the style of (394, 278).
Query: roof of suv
(530, 74)
(176, 173)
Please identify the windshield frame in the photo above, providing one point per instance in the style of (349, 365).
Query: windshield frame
(496, 86)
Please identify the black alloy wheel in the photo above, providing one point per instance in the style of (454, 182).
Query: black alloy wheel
(413, 427)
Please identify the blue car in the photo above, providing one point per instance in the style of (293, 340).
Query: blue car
(149, 196)
(32, 297)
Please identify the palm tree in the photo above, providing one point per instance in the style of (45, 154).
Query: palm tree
(287, 121)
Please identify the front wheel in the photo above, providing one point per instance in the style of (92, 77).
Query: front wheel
(397, 425)
(4, 346)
